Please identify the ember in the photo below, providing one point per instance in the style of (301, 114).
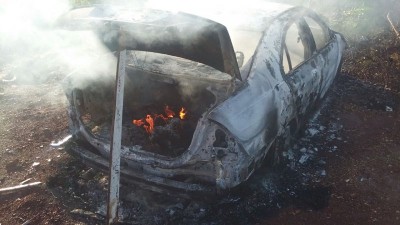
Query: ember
(148, 123)
(182, 113)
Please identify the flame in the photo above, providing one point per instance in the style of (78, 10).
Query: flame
(182, 113)
(150, 127)
(138, 122)
(168, 112)
(149, 122)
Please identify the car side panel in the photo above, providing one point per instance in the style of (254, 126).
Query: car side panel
(311, 80)
(258, 112)
(304, 82)
(332, 55)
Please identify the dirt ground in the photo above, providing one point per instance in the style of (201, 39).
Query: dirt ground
(344, 169)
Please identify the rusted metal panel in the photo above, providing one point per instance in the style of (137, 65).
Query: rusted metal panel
(115, 151)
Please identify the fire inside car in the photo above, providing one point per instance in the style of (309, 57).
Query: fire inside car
(164, 103)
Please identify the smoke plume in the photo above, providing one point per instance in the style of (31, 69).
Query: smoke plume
(35, 48)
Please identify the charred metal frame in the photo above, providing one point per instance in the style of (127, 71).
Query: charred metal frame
(265, 106)
(115, 151)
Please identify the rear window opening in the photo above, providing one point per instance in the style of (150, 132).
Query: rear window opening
(245, 42)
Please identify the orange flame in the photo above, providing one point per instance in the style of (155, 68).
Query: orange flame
(138, 122)
(150, 127)
(148, 122)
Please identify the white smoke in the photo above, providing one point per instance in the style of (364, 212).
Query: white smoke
(34, 48)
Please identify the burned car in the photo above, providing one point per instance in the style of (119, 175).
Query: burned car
(204, 103)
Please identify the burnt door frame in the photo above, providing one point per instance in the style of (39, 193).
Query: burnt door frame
(304, 79)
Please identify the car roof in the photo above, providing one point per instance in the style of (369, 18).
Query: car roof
(235, 15)
(244, 21)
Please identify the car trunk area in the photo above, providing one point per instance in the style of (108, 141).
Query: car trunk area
(165, 96)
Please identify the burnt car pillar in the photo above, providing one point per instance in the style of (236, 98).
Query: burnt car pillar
(115, 150)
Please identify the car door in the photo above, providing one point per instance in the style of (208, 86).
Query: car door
(301, 65)
(328, 51)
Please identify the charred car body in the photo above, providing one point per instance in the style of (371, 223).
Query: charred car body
(201, 113)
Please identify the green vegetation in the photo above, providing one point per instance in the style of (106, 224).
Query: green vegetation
(82, 3)
(354, 18)
(357, 22)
